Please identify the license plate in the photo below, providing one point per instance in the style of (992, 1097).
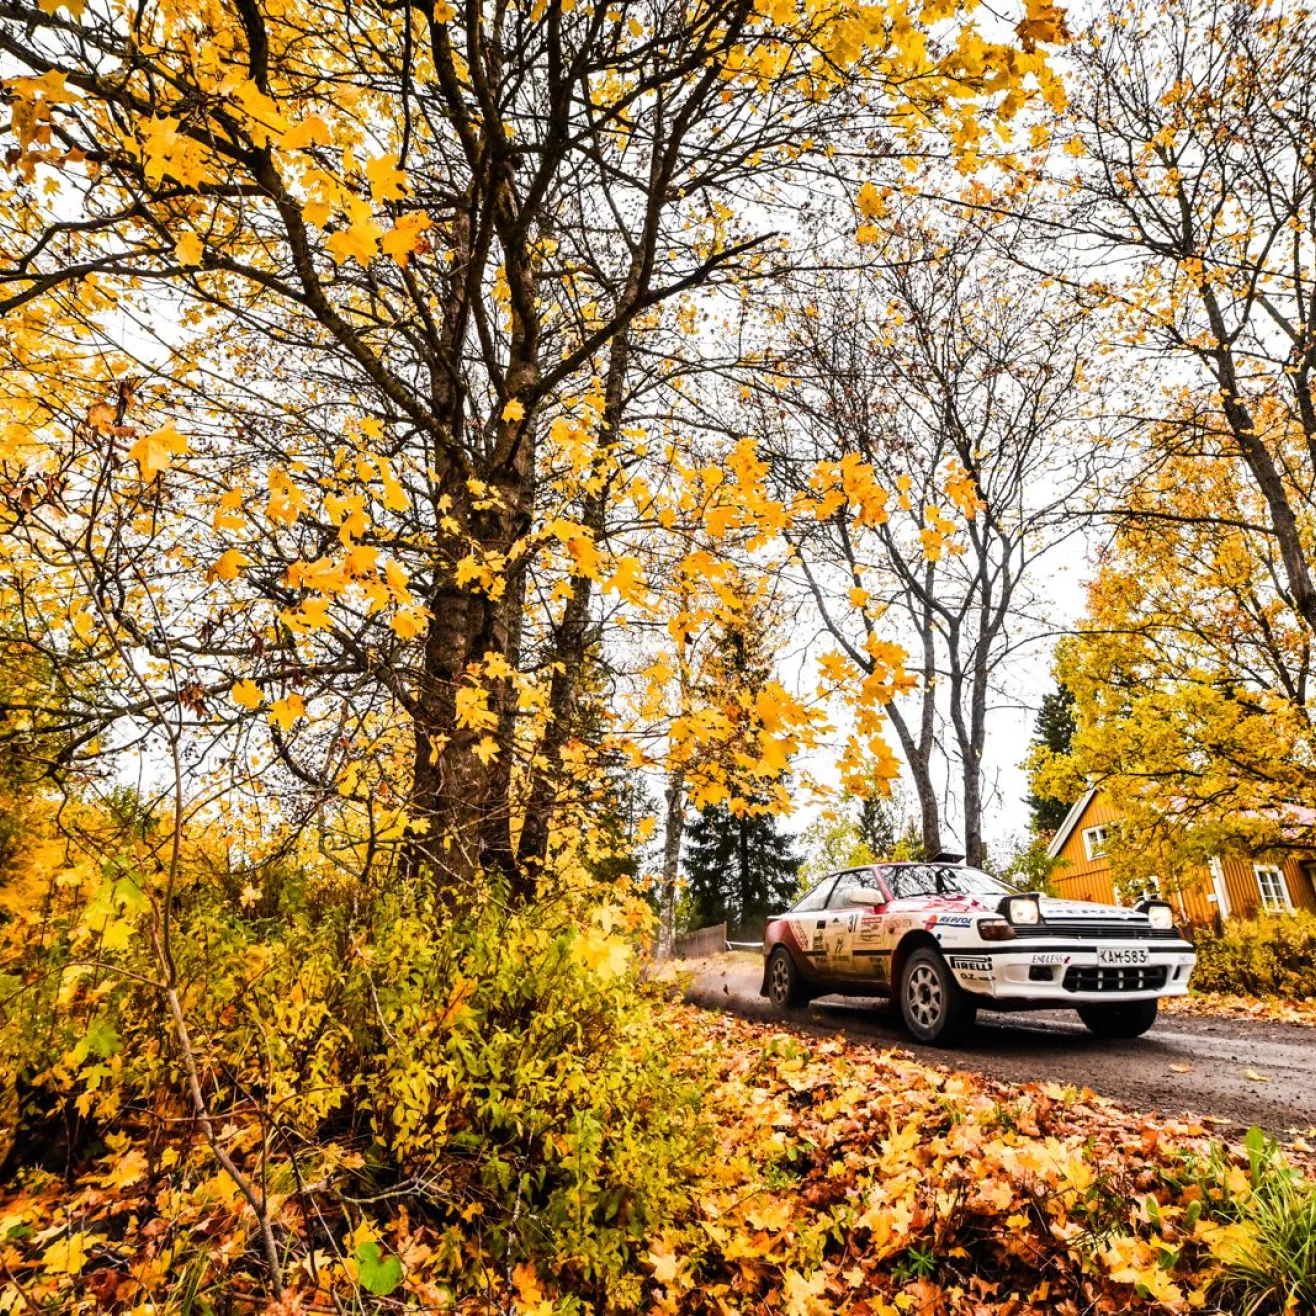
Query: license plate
(1122, 955)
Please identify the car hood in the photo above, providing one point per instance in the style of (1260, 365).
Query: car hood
(1065, 911)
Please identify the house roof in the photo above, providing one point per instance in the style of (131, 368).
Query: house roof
(1066, 828)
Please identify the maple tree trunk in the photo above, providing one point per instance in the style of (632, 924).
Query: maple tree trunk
(462, 803)
(572, 638)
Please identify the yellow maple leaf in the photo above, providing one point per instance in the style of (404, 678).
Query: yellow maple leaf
(311, 131)
(803, 1297)
(473, 709)
(356, 242)
(67, 1255)
(406, 236)
(246, 694)
(407, 623)
(189, 250)
(514, 410)
(154, 452)
(229, 565)
(284, 712)
(486, 750)
(871, 203)
(387, 181)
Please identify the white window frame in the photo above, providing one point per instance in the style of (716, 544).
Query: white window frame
(1220, 891)
(1277, 901)
(1094, 837)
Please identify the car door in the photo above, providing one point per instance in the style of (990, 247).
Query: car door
(849, 926)
(807, 921)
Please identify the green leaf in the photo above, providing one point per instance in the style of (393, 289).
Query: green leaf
(379, 1274)
(101, 1039)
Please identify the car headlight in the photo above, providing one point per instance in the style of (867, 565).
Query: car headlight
(995, 929)
(1023, 911)
(1159, 915)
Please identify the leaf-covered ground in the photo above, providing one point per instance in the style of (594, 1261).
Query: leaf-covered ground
(882, 1185)
(840, 1178)
(1271, 1009)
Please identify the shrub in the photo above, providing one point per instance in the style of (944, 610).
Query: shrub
(1274, 955)
(497, 1067)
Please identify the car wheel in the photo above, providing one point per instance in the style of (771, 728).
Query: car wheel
(784, 986)
(935, 1007)
(1131, 1019)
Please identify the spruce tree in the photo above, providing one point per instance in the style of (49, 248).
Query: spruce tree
(1053, 731)
(739, 870)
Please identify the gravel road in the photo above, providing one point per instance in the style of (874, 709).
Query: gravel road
(1183, 1065)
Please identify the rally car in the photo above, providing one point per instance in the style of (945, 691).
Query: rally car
(945, 940)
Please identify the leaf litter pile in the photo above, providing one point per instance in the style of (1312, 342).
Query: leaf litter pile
(840, 1178)
(856, 1180)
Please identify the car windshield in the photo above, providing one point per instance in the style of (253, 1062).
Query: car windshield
(941, 880)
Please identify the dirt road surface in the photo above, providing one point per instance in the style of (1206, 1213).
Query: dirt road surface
(1241, 1072)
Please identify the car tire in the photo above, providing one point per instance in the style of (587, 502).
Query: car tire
(785, 989)
(1131, 1019)
(935, 1008)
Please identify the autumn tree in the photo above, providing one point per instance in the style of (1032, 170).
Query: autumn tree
(948, 398)
(1184, 209)
(1191, 673)
(355, 292)
(1191, 128)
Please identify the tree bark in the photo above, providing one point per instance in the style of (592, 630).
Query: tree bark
(674, 829)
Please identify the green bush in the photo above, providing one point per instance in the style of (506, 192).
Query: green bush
(498, 1068)
(1274, 955)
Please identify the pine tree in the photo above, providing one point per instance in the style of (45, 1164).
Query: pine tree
(1053, 731)
(740, 869)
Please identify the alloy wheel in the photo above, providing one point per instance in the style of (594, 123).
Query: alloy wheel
(924, 996)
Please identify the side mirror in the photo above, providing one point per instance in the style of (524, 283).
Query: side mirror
(865, 895)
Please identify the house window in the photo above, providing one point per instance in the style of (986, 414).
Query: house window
(1274, 889)
(1094, 841)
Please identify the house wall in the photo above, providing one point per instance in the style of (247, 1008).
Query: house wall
(1076, 876)
(1079, 878)
(1245, 895)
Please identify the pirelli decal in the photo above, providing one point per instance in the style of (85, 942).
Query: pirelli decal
(970, 963)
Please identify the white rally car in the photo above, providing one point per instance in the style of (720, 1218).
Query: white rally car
(945, 940)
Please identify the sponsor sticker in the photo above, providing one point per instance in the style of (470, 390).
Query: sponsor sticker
(951, 921)
(1051, 957)
(970, 963)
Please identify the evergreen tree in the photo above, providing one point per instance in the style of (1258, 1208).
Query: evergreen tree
(740, 868)
(1053, 732)
(880, 820)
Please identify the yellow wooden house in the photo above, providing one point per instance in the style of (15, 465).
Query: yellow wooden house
(1234, 886)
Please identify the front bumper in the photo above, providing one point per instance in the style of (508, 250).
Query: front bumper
(1062, 974)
